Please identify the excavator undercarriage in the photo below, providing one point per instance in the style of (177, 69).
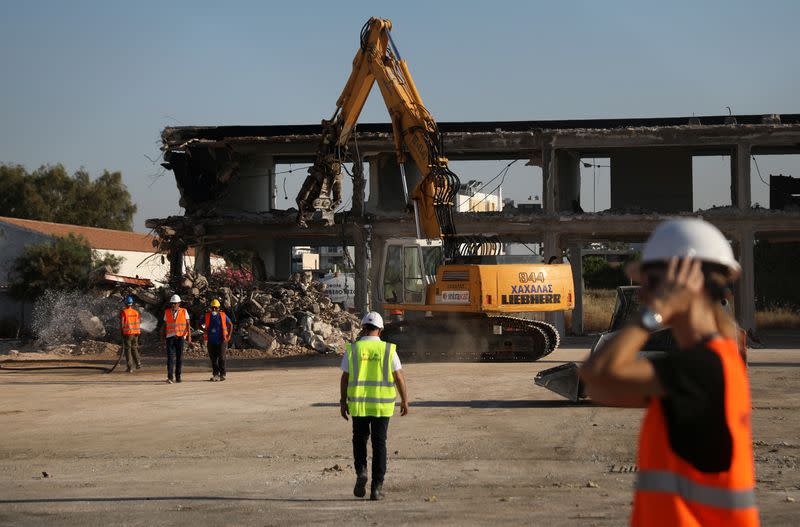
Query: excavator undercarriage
(473, 338)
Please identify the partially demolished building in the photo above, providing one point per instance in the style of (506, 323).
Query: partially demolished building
(227, 181)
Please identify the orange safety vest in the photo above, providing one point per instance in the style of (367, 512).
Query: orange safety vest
(670, 491)
(224, 319)
(130, 321)
(178, 326)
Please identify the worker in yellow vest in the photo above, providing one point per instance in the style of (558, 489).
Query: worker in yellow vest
(695, 455)
(371, 378)
(176, 329)
(130, 327)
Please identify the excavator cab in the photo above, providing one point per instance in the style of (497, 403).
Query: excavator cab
(409, 267)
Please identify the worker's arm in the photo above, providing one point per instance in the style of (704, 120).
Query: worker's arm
(188, 328)
(615, 374)
(343, 394)
(230, 327)
(400, 379)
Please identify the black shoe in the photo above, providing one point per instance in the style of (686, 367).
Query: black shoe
(360, 490)
(177, 380)
(138, 366)
(221, 378)
(376, 494)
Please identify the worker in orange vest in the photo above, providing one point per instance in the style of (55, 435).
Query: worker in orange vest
(130, 327)
(176, 329)
(217, 329)
(695, 459)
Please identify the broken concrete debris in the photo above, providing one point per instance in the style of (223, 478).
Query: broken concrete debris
(273, 318)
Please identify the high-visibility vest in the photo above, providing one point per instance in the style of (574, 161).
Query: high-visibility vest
(177, 326)
(224, 319)
(671, 491)
(370, 388)
(130, 321)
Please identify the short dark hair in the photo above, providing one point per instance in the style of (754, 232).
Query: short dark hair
(370, 327)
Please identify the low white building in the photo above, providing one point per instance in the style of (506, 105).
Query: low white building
(136, 249)
(470, 199)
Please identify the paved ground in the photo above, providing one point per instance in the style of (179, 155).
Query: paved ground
(267, 447)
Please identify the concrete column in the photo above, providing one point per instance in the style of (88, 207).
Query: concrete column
(576, 260)
(282, 258)
(202, 260)
(549, 181)
(552, 245)
(361, 240)
(568, 174)
(265, 263)
(175, 256)
(376, 250)
(740, 177)
(745, 298)
(273, 186)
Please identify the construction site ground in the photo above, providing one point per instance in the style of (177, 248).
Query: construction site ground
(482, 445)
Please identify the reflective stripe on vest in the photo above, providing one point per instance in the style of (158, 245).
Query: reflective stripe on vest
(178, 326)
(223, 320)
(671, 491)
(370, 386)
(130, 321)
(665, 481)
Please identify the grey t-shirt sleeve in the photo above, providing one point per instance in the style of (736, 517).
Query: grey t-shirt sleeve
(345, 363)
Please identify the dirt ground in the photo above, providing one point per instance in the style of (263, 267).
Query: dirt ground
(483, 445)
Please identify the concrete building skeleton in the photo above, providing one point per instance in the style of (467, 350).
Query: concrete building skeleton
(226, 177)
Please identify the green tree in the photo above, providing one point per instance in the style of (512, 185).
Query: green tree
(63, 264)
(51, 194)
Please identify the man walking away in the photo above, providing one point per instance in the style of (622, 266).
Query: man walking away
(175, 330)
(130, 327)
(217, 333)
(370, 372)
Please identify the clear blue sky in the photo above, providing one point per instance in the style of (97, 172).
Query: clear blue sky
(93, 83)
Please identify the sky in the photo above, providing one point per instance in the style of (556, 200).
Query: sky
(92, 84)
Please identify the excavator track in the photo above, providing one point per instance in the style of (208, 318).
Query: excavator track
(472, 339)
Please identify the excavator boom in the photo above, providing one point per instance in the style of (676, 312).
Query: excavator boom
(414, 129)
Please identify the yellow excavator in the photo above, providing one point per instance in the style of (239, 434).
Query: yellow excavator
(459, 298)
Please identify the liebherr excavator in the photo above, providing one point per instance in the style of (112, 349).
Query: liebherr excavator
(459, 300)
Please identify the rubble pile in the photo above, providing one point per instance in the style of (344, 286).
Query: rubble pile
(277, 318)
(270, 318)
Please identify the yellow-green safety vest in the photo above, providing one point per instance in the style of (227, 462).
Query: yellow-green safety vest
(371, 389)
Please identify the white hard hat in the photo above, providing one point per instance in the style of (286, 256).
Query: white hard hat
(690, 237)
(175, 299)
(373, 319)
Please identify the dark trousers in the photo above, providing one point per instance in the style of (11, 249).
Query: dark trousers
(130, 343)
(174, 356)
(362, 427)
(216, 352)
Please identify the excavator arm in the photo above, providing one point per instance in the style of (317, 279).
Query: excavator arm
(415, 133)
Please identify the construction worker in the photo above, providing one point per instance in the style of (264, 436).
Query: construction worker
(217, 332)
(176, 329)
(695, 456)
(370, 372)
(130, 326)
